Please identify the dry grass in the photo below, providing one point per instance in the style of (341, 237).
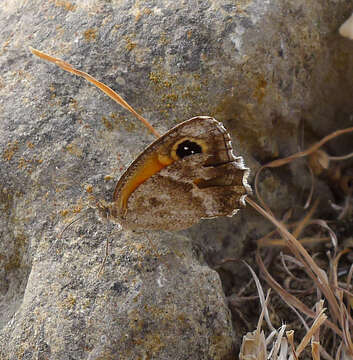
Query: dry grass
(328, 330)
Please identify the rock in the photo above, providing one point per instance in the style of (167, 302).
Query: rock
(147, 303)
(260, 67)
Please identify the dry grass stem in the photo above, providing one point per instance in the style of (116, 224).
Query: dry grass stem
(319, 320)
(340, 158)
(106, 89)
(312, 186)
(341, 322)
(300, 154)
(299, 251)
(262, 298)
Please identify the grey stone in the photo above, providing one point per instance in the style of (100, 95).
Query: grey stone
(258, 66)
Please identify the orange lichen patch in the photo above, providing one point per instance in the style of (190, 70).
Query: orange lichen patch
(108, 177)
(151, 166)
(30, 145)
(89, 189)
(90, 34)
(10, 150)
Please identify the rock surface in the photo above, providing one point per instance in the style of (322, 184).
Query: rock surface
(259, 66)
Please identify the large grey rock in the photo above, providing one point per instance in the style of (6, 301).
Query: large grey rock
(260, 67)
(147, 304)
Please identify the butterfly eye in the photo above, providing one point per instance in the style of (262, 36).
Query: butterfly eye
(187, 148)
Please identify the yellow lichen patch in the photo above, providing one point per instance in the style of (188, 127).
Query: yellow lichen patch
(10, 150)
(170, 99)
(77, 209)
(90, 34)
(157, 78)
(6, 199)
(130, 45)
(15, 260)
(108, 125)
(67, 5)
(127, 124)
(147, 11)
(108, 178)
(69, 302)
(64, 212)
(73, 149)
(23, 163)
(139, 247)
(165, 83)
(163, 40)
(116, 28)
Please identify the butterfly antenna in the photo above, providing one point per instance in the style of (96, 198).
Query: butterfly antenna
(100, 271)
(67, 226)
(106, 89)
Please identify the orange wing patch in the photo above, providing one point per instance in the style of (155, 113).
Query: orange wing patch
(151, 166)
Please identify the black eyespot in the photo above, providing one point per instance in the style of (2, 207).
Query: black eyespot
(187, 148)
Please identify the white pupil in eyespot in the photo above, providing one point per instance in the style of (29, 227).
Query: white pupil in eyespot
(187, 148)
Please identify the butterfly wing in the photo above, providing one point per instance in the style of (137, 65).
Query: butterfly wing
(187, 174)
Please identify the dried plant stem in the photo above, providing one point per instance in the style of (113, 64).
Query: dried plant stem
(312, 269)
(311, 149)
(106, 89)
(339, 158)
